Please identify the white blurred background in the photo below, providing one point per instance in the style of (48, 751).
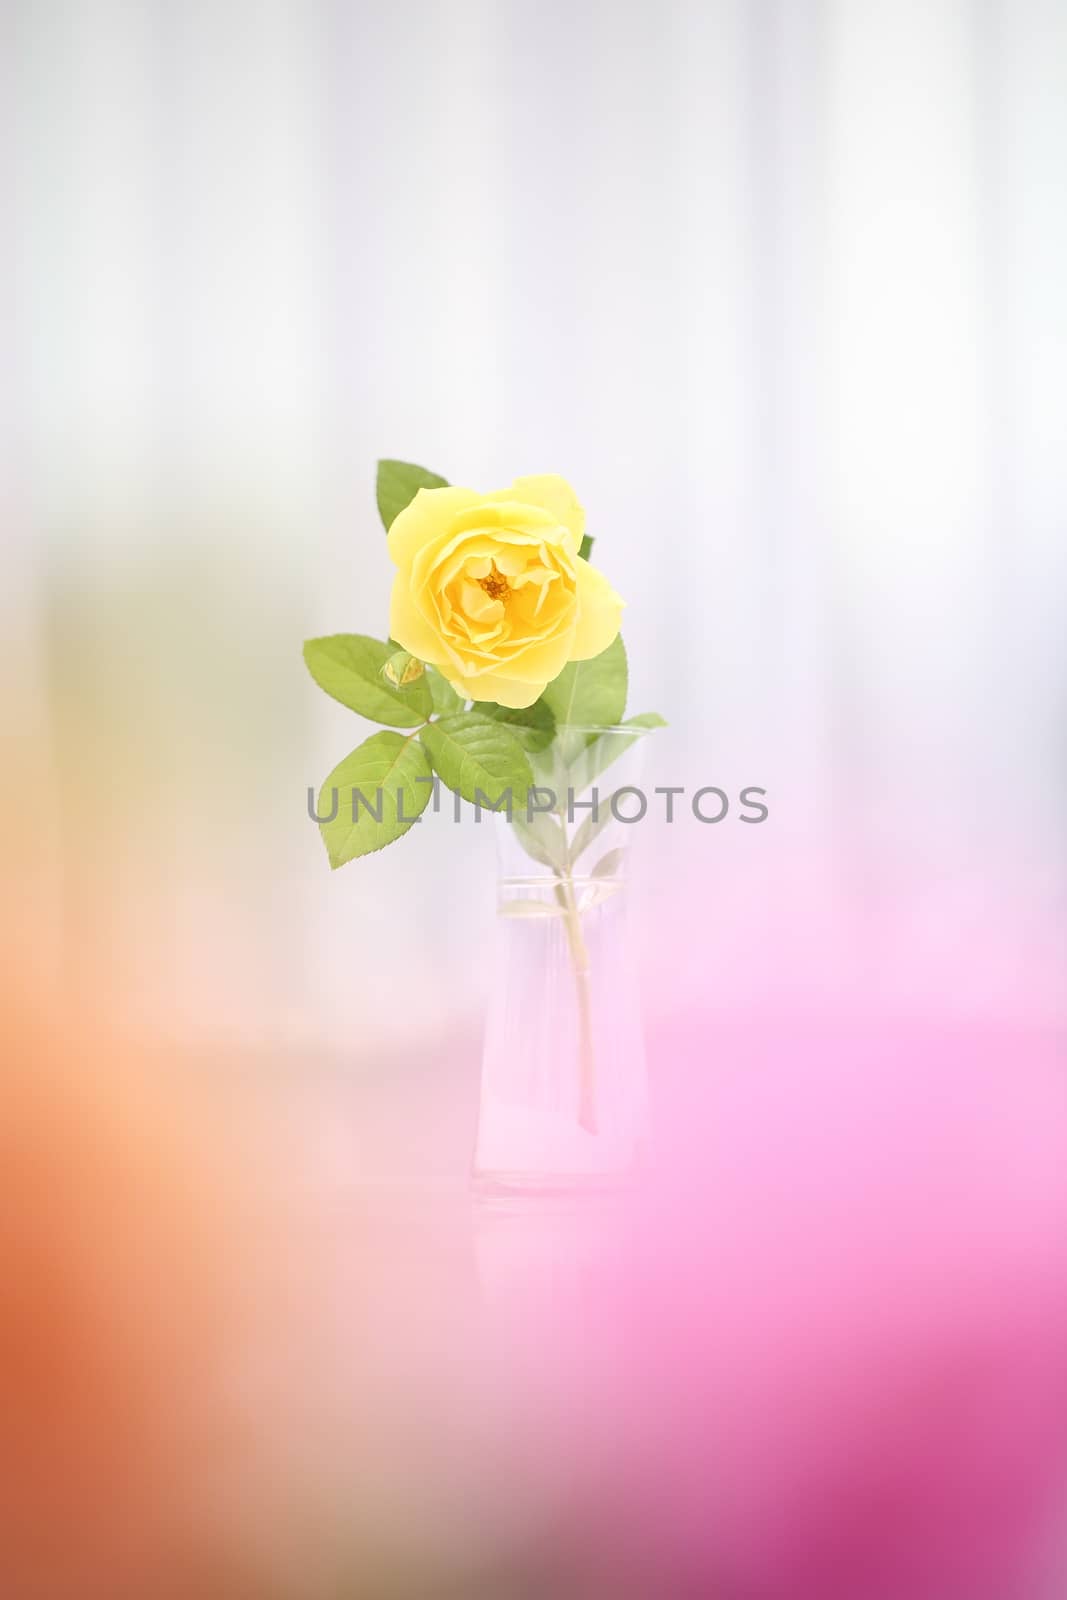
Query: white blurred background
(779, 286)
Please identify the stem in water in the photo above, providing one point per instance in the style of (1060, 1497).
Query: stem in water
(587, 1116)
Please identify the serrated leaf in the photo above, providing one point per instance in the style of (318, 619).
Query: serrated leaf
(543, 839)
(594, 894)
(591, 693)
(444, 697)
(590, 827)
(398, 484)
(601, 751)
(533, 726)
(393, 776)
(350, 667)
(609, 864)
(478, 758)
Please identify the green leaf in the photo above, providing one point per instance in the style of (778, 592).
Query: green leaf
(591, 693)
(533, 726)
(585, 549)
(350, 667)
(398, 484)
(473, 754)
(393, 775)
(585, 764)
(542, 838)
(444, 697)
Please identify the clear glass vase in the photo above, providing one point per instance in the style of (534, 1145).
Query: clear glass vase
(564, 1100)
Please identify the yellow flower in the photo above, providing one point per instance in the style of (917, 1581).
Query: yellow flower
(492, 591)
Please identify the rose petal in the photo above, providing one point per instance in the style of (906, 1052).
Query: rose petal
(410, 628)
(555, 495)
(599, 613)
(430, 513)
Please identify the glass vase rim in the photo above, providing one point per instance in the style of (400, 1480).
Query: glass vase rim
(627, 728)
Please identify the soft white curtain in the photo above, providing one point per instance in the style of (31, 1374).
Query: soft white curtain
(779, 285)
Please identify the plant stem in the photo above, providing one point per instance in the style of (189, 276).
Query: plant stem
(587, 1116)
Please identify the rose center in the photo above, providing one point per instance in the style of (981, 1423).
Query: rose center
(495, 586)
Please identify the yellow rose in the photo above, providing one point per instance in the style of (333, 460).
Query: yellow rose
(492, 591)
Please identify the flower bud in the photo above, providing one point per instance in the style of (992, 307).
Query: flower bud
(402, 668)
